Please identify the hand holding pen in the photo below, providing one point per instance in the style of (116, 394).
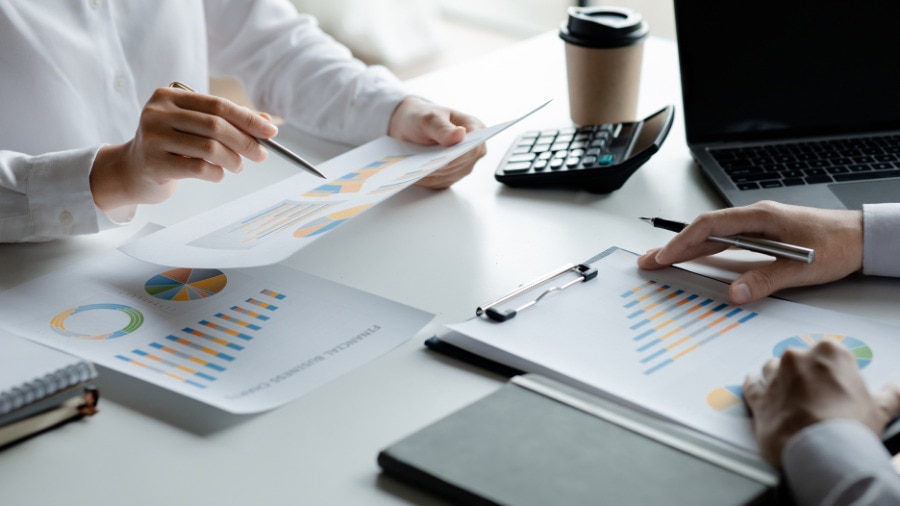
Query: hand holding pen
(834, 236)
(278, 148)
(179, 135)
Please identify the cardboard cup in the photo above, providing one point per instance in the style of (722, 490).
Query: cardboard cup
(603, 83)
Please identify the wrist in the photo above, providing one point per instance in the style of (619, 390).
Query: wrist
(107, 186)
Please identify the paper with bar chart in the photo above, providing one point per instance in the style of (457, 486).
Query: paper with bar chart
(243, 340)
(269, 225)
(669, 342)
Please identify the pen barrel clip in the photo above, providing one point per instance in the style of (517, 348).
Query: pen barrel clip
(768, 247)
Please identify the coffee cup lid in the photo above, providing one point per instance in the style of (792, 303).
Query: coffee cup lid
(603, 27)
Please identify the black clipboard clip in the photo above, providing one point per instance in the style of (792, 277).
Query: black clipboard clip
(585, 273)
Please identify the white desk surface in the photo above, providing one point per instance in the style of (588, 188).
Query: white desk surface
(444, 252)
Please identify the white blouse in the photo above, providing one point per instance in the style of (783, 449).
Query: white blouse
(75, 74)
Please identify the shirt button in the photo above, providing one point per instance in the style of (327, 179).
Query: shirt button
(120, 83)
(66, 218)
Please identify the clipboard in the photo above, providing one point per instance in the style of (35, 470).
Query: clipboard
(508, 306)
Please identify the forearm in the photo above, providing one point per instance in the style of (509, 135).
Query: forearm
(46, 196)
(840, 462)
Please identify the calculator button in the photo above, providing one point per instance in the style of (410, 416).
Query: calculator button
(524, 157)
(572, 161)
(557, 146)
(517, 168)
(540, 148)
(561, 154)
(540, 165)
(545, 155)
(556, 163)
(606, 159)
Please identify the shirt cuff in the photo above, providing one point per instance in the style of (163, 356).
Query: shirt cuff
(824, 462)
(59, 194)
(881, 239)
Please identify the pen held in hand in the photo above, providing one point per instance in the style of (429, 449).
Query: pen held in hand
(756, 244)
(278, 148)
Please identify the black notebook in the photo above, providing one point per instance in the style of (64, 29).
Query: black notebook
(537, 441)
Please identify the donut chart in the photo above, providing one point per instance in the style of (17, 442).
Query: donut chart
(858, 348)
(135, 320)
(186, 284)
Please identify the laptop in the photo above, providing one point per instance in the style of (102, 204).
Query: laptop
(796, 101)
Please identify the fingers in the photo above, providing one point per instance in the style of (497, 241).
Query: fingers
(759, 283)
(213, 129)
(419, 121)
(888, 400)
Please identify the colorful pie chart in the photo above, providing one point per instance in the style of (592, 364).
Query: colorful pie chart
(728, 400)
(186, 284)
(859, 349)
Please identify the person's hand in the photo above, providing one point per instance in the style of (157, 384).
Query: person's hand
(419, 121)
(805, 387)
(181, 134)
(837, 237)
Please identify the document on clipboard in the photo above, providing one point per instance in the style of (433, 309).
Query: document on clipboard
(667, 342)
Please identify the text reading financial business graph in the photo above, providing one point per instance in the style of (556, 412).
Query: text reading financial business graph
(201, 353)
(97, 322)
(669, 323)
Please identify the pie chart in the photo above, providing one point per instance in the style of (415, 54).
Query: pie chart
(859, 349)
(186, 284)
(728, 399)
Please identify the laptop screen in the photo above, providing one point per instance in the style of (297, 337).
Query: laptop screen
(781, 69)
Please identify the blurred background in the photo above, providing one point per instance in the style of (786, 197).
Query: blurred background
(414, 36)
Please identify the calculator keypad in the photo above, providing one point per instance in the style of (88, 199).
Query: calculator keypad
(564, 149)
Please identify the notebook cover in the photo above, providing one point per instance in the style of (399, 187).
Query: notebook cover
(518, 447)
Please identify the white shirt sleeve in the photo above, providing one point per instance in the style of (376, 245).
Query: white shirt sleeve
(881, 239)
(840, 462)
(290, 68)
(46, 196)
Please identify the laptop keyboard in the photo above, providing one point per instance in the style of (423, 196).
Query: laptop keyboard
(816, 162)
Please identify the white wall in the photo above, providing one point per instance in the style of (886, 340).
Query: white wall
(535, 16)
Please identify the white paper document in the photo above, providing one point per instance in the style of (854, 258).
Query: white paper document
(669, 342)
(243, 340)
(270, 225)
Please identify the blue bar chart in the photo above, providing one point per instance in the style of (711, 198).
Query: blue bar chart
(668, 323)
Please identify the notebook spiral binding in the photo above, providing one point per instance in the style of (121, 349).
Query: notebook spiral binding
(44, 386)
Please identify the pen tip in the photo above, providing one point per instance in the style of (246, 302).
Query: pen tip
(646, 219)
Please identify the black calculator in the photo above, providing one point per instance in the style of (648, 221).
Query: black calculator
(595, 158)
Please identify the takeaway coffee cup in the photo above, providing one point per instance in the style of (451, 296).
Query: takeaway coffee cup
(604, 48)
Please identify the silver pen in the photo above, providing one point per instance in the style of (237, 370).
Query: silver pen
(757, 244)
(278, 148)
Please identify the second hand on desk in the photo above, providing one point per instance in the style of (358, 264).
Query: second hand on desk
(756, 244)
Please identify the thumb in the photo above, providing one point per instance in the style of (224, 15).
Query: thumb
(440, 129)
(764, 281)
(888, 400)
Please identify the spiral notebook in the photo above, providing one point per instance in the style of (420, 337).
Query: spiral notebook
(35, 378)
